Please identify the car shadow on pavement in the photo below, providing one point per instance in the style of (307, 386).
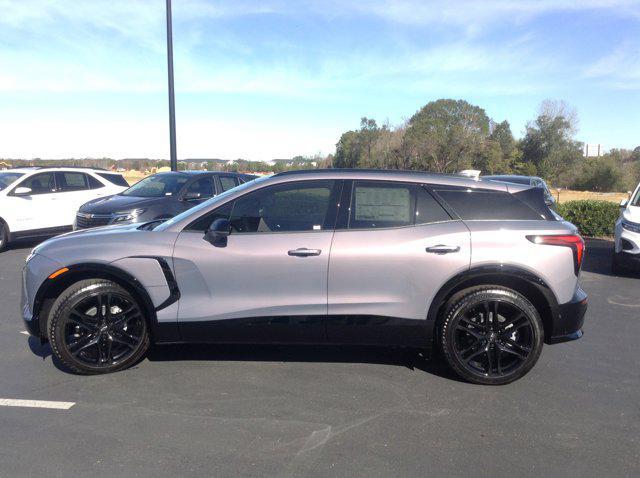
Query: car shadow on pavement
(25, 243)
(597, 258)
(409, 358)
(43, 350)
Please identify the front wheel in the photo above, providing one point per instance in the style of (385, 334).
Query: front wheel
(491, 335)
(96, 326)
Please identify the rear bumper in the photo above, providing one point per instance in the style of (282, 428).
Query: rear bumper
(568, 319)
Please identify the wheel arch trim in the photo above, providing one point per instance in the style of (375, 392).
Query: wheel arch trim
(510, 276)
(88, 270)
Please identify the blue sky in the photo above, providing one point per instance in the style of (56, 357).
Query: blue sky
(276, 78)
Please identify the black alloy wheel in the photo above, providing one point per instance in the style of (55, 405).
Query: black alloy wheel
(97, 327)
(491, 336)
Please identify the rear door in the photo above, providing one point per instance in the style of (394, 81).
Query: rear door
(394, 247)
(73, 191)
(270, 280)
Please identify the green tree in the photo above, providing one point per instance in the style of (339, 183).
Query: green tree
(599, 174)
(348, 150)
(549, 143)
(446, 135)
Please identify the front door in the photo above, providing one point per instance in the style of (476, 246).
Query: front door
(37, 210)
(394, 249)
(269, 282)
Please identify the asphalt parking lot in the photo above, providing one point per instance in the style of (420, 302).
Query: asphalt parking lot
(317, 411)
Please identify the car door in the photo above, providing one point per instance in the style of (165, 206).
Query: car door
(394, 247)
(73, 191)
(39, 208)
(270, 280)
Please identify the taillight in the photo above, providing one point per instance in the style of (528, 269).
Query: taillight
(574, 241)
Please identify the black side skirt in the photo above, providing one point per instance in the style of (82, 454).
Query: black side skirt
(349, 329)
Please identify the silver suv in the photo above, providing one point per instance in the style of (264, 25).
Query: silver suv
(480, 269)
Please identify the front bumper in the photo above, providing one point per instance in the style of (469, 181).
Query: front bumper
(568, 319)
(34, 274)
(30, 322)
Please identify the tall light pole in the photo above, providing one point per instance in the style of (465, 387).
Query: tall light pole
(172, 100)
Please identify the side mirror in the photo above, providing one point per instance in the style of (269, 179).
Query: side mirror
(21, 191)
(218, 232)
(624, 203)
(191, 197)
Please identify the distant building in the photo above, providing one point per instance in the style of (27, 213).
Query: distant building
(592, 150)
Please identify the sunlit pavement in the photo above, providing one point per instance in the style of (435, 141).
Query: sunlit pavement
(318, 411)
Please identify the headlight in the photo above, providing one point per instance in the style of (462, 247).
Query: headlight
(128, 216)
(631, 226)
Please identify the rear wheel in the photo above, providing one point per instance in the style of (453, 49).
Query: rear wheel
(96, 326)
(491, 335)
(4, 236)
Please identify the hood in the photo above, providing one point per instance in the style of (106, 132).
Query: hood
(107, 244)
(86, 233)
(118, 203)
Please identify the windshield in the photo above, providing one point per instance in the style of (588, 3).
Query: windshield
(8, 178)
(636, 198)
(194, 211)
(158, 185)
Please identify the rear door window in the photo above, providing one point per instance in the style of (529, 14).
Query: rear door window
(71, 181)
(228, 182)
(380, 204)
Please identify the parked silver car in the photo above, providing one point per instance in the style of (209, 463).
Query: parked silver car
(481, 269)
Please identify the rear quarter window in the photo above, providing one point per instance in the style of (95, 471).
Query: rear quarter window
(116, 179)
(471, 204)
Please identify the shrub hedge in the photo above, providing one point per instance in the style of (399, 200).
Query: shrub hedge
(593, 218)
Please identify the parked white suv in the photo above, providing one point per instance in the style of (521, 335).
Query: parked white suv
(626, 253)
(41, 202)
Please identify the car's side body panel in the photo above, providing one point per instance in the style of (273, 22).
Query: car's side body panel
(254, 289)
(252, 276)
(389, 272)
(505, 243)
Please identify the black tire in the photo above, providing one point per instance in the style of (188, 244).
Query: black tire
(96, 327)
(4, 236)
(491, 335)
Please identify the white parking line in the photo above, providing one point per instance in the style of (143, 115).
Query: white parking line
(10, 402)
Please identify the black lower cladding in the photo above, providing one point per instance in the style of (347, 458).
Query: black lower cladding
(34, 233)
(350, 329)
(569, 319)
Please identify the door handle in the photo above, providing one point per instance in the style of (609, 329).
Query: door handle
(304, 252)
(442, 249)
